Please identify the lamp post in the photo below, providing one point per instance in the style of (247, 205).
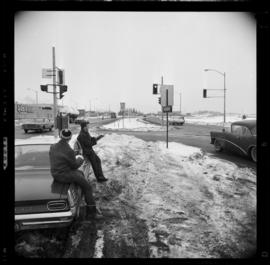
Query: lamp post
(180, 102)
(36, 94)
(224, 75)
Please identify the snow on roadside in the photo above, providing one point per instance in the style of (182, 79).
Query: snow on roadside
(196, 205)
(215, 120)
(134, 124)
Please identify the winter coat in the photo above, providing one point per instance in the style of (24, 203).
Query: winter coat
(86, 142)
(62, 158)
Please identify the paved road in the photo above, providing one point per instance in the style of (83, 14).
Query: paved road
(189, 134)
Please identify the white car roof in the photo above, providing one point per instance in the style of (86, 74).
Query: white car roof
(43, 139)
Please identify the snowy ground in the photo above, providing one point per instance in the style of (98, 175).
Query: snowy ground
(186, 203)
(216, 120)
(194, 205)
(134, 124)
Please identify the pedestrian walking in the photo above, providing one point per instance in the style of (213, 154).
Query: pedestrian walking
(64, 169)
(87, 142)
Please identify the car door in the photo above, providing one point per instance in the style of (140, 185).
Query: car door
(237, 140)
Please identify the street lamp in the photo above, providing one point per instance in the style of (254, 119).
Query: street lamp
(224, 75)
(180, 102)
(36, 94)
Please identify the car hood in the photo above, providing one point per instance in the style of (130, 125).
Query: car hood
(37, 184)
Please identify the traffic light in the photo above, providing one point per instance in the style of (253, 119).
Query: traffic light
(61, 76)
(44, 88)
(155, 89)
(159, 100)
(205, 93)
(63, 89)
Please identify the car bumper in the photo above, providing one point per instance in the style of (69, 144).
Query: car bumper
(43, 220)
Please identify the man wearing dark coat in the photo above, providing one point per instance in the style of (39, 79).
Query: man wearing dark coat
(87, 142)
(64, 168)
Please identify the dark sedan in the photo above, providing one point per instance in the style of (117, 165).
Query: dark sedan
(41, 202)
(241, 138)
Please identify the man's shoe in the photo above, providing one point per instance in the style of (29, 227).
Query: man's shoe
(101, 179)
(94, 213)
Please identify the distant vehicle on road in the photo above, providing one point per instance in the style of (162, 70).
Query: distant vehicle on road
(242, 138)
(40, 202)
(79, 120)
(178, 120)
(38, 125)
(113, 115)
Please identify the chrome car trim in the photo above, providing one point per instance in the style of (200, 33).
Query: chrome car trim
(236, 146)
(42, 215)
(46, 222)
(57, 205)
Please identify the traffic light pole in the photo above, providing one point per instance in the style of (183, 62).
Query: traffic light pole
(54, 93)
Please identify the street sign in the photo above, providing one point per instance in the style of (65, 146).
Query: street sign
(47, 73)
(163, 89)
(122, 106)
(167, 108)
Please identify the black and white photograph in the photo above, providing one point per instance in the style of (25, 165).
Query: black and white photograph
(135, 134)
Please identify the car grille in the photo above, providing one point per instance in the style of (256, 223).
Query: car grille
(57, 205)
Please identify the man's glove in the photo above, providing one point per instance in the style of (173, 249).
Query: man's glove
(99, 137)
(79, 159)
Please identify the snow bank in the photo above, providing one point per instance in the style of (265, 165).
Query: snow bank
(193, 204)
(134, 124)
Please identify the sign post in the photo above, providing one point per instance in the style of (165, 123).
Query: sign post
(166, 92)
(122, 107)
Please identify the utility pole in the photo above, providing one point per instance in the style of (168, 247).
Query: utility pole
(161, 105)
(180, 102)
(167, 134)
(224, 118)
(54, 93)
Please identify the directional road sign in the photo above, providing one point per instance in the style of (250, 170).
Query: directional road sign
(167, 108)
(163, 89)
(47, 73)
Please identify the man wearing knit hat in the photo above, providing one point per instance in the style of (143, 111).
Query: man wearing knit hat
(87, 142)
(64, 168)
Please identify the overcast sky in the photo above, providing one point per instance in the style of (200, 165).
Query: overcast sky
(113, 57)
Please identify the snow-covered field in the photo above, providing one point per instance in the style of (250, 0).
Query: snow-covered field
(205, 119)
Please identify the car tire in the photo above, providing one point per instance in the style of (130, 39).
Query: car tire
(217, 145)
(253, 154)
(25, 130)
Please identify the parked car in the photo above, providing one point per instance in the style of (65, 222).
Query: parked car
(178, 120)
(241, 138)
(41, 202)
(38, 125)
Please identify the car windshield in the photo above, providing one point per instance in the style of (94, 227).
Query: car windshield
(32, 156)
(254, 131)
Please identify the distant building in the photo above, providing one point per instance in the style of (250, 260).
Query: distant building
(31, 111)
